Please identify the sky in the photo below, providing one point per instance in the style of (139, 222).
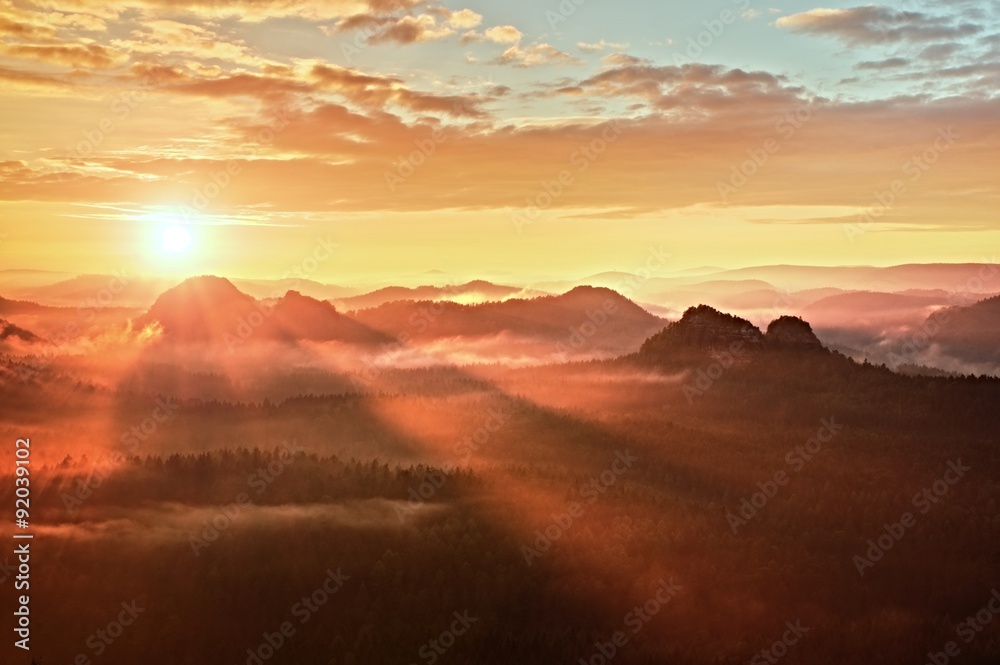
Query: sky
(522, 139)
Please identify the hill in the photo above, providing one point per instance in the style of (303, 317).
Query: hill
(10, 331)
(591, 317)
(211, 309)
(200, 309)
(704, 329)
(295, 317)
(474, 291)
(107, 290)
(971, 333)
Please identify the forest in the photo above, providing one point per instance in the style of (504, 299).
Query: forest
(558, 506)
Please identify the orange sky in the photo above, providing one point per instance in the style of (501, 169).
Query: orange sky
(475, 138)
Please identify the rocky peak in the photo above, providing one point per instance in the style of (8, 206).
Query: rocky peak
(791, 332)
(705, 327)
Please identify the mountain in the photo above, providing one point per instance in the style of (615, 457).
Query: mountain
(727, 287)
(8, 330)
(971, 333)
(951, 276)
(703, 328)
(474, 291)
(743, 295)
(870, 309)
(212, 309)
(272, 288)
(12, 280)
(706, 329)
(8, 307)
(296, 317)
(59, 324)
(128, 291)
(200, 309)
(103, 290)
(700, 271)
(791, 333)
(585, 317)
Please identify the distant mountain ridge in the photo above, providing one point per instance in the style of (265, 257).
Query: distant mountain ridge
(595, 317)
(113, 291)
(585, 319)
(211, 309)
(476, 289)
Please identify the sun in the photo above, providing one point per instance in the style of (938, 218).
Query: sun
(175, 240)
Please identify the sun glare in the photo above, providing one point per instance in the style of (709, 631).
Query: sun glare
(175, 240)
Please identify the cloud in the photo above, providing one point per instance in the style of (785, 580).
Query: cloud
(165, 37)
(331, 159)
(464, 19)
(410, 29)
(516, 55)
(879, 65)
(80, 55)
(247, 11)
(435, 24)
(624, 60)
(33, 83)
(377, 92)
(600, 46)
(499, 34)
(24, 29)
(83, 22)
(683, 127)
(264, 87)
(536, 55)
(281, 85)
(692, 89)
(26, 24)
(874, 24)
(167, 522)
(939, 52)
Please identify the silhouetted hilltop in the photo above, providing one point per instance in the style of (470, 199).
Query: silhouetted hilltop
(298, 317)
(9, 330)
(791, 332)
(8, 307)
(200, 309)
(212, 309)
(704, 328)
(970, 333)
